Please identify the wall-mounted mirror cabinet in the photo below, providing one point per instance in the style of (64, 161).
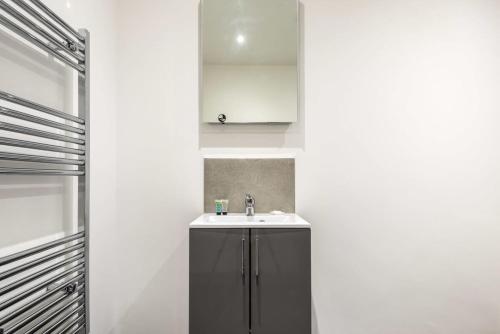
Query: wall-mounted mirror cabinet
(249, 61)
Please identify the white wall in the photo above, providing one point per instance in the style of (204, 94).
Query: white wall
(397, 170)
(159, 168)
(397, 166)
(31, 208)
(400, 175)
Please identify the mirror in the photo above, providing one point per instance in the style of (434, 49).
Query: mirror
(249, 61)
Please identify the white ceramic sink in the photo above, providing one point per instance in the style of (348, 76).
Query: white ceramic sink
(257, 221)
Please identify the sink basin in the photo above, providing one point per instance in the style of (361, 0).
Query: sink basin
(257, 221)
(256, 218)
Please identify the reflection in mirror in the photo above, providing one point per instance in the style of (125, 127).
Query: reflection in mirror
(249, 56)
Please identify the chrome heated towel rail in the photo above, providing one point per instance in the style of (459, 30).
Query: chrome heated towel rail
(45, 289)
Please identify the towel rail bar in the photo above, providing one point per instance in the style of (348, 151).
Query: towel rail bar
(36, 106)
(30, 24)
(29, 265)
(39, 120)
(39, 133)
(33, 171)
(38, 249)
(39, 312)
(40, 159)
(71, 327)
(49, 24)
(39, 43)
(42, 298)
(58, 19)
(54, 314)
(45, 284)
(39, 146)
(60, 322)
(44, 272)
(45, 275)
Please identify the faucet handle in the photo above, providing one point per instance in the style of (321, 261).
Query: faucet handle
(249, 205)
(249, 200)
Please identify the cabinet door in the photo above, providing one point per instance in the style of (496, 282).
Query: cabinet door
(281, 281)
(218, 281)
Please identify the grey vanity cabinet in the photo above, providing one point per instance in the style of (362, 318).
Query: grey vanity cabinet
(218, 281)
(281, 282)
(254, 281)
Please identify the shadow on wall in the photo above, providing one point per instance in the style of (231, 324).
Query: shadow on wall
(249, 135)
(13, 186)
(163, 303)
(314, 319)
(33, 208)
(29, 59)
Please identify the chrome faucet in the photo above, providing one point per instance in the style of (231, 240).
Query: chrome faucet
(249, 205)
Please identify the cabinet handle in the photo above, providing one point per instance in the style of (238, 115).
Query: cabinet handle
(243, 258)
(257, 270)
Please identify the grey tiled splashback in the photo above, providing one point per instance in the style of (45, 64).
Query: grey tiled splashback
(270, 181)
